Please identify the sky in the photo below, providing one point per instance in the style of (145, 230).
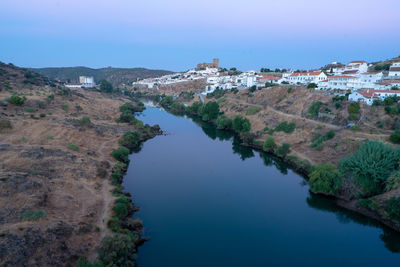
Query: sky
(177, 34)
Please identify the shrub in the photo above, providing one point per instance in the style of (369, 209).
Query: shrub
(126, 117)
(395, 137)
(269, 143)
(29, 109)
(352, 117)
(84, 122)
(33, 215)
(42, 115)
(393, 182)
(371, 165)
(283, 150)
(286, 127)
(196, 107)
(289, 90)
(167, 101)
(16, 100)
(130, 140)
(65, 107)
(317, 140)
(355, 128)
(83, 262)
(313, 110)
(50, 97)
(353, 108)
(5, 124)
(121, 210)
(105, 86)
(50, 137)
(241, 124)
(118, 250)
(312, 85)
(73, 147)
(121, 154)
(392, 208)
(252, 110)
(325, 178)
(224, 122)
(377, 102)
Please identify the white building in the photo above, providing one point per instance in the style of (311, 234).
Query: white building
(368, 96)
(87, 81)
(341, 82)
(306, 77)
(394, 70)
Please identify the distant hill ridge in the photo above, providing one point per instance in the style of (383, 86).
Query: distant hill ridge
(116, 76)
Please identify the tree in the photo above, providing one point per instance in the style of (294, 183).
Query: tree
(241, 124)
(106, 87)
(118, 250)
(210, 111)
(16, 100)
(283, 150)
(312, 85)
(121, 154)
(395, 137)
(130, 140)
(269, 143)
(224, 122)
(253, 89)
(325, 178)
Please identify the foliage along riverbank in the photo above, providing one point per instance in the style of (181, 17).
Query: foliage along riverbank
(367, 181)
(119, 249)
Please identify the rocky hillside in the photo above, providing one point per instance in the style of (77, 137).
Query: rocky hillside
(116, 76)
(55, 165)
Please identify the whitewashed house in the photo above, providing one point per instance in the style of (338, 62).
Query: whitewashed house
(341, 82)
(368, 96)
(394, 70)
(306, 77)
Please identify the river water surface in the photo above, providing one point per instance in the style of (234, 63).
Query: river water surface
(206, 201)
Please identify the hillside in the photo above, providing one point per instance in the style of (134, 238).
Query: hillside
(116, 76)
(56, 199)
(382, 65)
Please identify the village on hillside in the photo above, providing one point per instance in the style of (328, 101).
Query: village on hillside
(352, 79)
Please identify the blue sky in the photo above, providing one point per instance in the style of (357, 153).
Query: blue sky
(177, 34)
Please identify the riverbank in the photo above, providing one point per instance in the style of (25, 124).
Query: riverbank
(382, 206)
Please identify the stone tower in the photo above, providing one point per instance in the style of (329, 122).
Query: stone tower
(216, 62)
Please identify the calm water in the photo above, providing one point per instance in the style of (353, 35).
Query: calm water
(208, 202)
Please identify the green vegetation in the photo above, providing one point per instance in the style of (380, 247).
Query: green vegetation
(50, 97)
(318, 140)
(118, 250)
(42, 115)
(395, 137)
(355, 128)
(5, 124)
(393, 182)
(252, 110)
(106, 87)
(382, 67)
(325, 178)
(121, 154)
(392, 208)
(29, 109)
(16, 100)
(83, 122)
(73, 147)
(269, 143)
(49, 137)
(83, 262)
(210, 111)
(289, 90)
(286, 127)
(33, 215)
(313, 110)
(167, 101)
(130, 140)
(312, 85)
(241, 124)
(353, 109)
(65, 107)
(370, 166)
(224, 122)
(283, 150)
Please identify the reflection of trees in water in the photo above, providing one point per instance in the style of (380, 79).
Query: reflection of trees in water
(270, 160)
(244, 151)
(390, 237)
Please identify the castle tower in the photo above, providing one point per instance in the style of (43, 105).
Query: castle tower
(216, 62)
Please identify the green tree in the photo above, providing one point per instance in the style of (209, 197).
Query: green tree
(312, 85)
(241, 124)
(121, 154)
(395, 137)
(16, 100)
(210, 111)
(130, 140)
(283, 150)
(269, 143)
(118, 250)
(224, 122)
(106, 87)
(325, 178)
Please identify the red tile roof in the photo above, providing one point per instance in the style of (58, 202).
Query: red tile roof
(358, 61)
(270, 77)
(306, 73)
(341, 77)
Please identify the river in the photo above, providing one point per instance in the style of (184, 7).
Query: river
(207, 201)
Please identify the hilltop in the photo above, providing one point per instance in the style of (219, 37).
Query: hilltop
(116, 76)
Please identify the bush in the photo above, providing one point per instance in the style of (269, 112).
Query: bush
(283, 150)
(393, 182)
(313, 110)
(286, 127)
(317, 140)
(167, 101)
(84, 122)
(269, 143)
(352, 117)
(126, 116)
(392, 208)
(252, 110)
(355, 128)
(83, 262)
(325, 178)
(16, 100)
(29, 109)
(312, 85)
(196, 107)
(130, 140)
(65, 107)
(121, 154)
(106, 87)
(50, 97)
(353, 108)
(33, 215)
(5, 124)
(395, 137)
(371, 165)
(121, 210)
(42, 115)
(241, 124)
(118, 250)
(224, 122)
(73, 147)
